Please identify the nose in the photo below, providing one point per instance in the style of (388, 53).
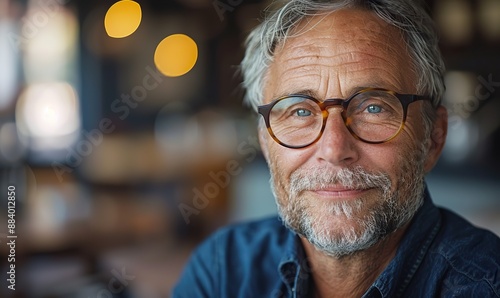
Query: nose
(336, 146)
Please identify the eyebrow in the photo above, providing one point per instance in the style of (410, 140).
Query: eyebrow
(314, 94)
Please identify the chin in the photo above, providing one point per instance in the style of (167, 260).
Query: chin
(338, 221)
(339, 228)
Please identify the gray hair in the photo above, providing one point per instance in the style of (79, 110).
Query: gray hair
(407, 15)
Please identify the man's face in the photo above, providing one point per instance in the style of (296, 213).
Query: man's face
(342, 194)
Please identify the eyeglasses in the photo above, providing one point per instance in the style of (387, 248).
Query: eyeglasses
(372, 115)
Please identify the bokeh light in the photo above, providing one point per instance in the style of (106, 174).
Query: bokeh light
(122, 18)
(49, 110)
(176, 55)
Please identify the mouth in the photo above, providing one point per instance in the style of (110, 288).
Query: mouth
(339, 192)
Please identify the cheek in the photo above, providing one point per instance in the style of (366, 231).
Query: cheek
(379, 157)
(284, 161)
(406, 166)
(387, 158)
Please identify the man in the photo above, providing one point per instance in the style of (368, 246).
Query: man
(349, 93)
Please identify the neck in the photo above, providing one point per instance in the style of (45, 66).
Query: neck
(352, 275)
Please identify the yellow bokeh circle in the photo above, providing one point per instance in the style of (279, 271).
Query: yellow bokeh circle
(176, 55)
(122, 18)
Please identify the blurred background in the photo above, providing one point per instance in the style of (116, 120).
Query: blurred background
(123, 132)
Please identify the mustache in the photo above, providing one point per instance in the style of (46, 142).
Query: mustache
(351, 178)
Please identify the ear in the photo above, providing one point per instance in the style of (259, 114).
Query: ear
(437, 138)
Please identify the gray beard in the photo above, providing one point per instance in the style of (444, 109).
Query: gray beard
(393, 209)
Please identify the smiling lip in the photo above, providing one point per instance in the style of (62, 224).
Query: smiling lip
(339, 192)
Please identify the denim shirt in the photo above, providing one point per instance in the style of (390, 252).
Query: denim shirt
(440, 255)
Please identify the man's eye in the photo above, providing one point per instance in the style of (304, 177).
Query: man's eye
(373, 109)
(303, 113)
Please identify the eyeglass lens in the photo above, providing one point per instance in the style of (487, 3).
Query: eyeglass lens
(372, 116)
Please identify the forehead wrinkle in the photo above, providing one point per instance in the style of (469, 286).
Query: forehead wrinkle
(318, 46)
(341, 63)
(345, 65)
(287, 87)
(384, 38)
(344, 57)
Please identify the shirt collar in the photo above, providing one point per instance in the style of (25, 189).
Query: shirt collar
(294, 269)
